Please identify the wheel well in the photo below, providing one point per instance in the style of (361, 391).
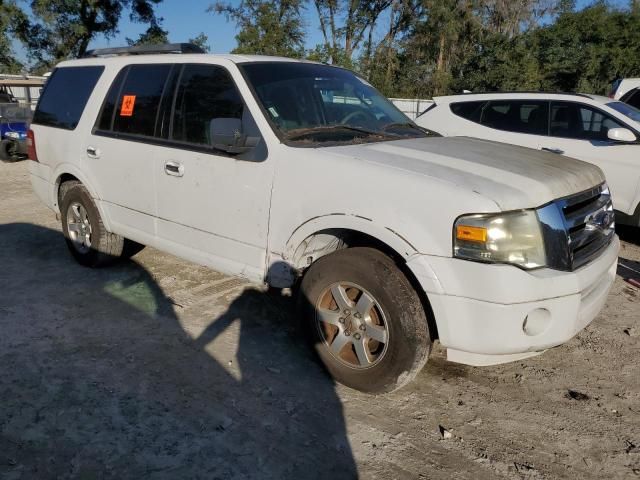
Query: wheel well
(65, 177)
(327, 241)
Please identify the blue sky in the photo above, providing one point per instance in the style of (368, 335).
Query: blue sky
(184, 22)
(185, 19)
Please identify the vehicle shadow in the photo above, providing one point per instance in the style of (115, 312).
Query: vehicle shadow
(628, 234)
(100, 378)
(629, 270)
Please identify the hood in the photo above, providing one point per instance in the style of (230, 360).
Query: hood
(513, 177)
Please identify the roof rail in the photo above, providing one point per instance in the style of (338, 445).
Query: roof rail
(145, 50)
(519, 92)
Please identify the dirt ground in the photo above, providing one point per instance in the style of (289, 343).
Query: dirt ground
(159, 368)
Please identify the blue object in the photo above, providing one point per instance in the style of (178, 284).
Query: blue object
(16, 130)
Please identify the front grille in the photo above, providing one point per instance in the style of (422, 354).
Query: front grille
(577, 228)
(590, 224)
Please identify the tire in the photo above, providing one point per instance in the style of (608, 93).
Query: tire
(390, 311)
(6, 150)
(76, 209)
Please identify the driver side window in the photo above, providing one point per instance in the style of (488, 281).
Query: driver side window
(581, 122)
(206, 93)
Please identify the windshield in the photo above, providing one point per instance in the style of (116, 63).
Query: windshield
(625, 109)
(313, 103)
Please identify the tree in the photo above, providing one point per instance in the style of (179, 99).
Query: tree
(202, 41)
(585, 50)
(154, 35)
(348, 24)
(266, 27)
(12, 18)
(62, 29)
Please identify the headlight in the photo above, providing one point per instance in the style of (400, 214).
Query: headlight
(512, 237)
(15, 135)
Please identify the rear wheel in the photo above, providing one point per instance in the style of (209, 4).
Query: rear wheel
(365, 320)
(87, 238)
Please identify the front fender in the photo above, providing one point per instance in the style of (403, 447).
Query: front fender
(417, 263)
(347, 222)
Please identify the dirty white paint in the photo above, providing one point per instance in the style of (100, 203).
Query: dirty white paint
(246, 217)
(617, 159)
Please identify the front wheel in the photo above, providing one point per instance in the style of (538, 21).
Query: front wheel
(365, 320)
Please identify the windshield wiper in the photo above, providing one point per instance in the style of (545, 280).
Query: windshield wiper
(304, 132)
(403, 125)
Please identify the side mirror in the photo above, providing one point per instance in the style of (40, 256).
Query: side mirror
(226, 134)
(621, 135)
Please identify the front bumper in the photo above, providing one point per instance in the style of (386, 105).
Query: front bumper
(488, 314)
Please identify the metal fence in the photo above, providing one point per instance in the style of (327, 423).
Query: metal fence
(28, 95)
(411, 107)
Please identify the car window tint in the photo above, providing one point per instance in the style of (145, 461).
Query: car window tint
(139, 100)
(65, 96)
(634, 99)
(468, 110)
(105, 121)
(206, 94)
(520, 116)
(572, 120)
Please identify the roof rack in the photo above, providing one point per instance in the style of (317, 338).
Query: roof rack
(145, 50)
(519, 92)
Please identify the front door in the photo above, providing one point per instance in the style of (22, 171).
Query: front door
(580, 131)
(213, 206)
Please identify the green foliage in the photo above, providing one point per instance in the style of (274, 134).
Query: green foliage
(61, 29)
(11, 19)
(266, 28)
(454, 46)
(154, 35)
(581, 51)
(407, 48)
(202, 41)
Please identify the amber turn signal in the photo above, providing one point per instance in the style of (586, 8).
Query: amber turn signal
(471, 234)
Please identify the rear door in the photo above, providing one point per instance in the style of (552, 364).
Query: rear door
(518, 122)
(122, 151)
(580, 131)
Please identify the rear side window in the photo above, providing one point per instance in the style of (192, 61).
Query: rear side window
(65, 96)
(109, 108)
(205, 95)
(519, 116)
(133, 102)
(468, 110)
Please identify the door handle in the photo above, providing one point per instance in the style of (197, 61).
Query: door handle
(174, 168)
(553, 150)
(93, 152)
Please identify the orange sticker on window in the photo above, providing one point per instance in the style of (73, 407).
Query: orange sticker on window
(128, 101)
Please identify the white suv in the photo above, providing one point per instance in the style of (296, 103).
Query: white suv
(587, 127)
(283, 171)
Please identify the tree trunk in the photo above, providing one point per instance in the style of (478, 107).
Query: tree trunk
(441, 55)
